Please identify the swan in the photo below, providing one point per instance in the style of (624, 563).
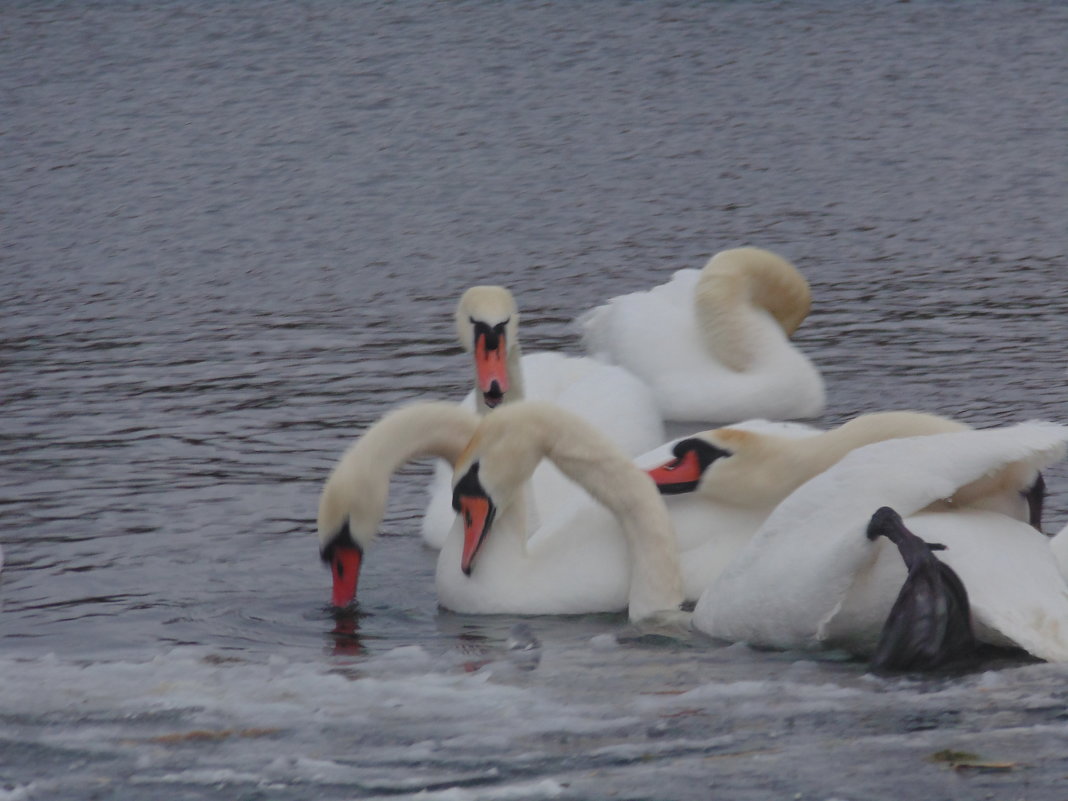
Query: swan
(608, 397)
(353, 500)
(713, 344)
(722, 484)
(619, 553)
(818, 574)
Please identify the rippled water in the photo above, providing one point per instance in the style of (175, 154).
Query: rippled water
(232, 237)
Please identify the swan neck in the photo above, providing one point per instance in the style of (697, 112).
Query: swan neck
(735, 291)
(422, 430)
(609, 476)
(358, 487)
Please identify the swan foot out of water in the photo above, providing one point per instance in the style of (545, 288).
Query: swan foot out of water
(930, 622)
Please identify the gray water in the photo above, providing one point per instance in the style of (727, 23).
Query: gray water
(232, 237)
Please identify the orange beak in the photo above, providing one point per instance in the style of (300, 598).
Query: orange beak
(477, 512)
(491, 367)
(679, 475)
(345, 567)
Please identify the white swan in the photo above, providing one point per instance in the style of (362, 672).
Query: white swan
(609, 398)
(812, 577)
(724, 483)
(353, 501)
(714, 344)
(591, 563)
(588, 568)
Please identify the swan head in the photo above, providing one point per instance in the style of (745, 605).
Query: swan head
(691, 457)
(348, 523)
(490, 473)
(726, 465)
(351, 507)
(487, 324)
(477, 511)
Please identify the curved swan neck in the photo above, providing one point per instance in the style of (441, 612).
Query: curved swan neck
(609, 476)
(733, 285)
(358, 487)
(764, 468)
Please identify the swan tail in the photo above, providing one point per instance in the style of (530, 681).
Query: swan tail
(930, 623)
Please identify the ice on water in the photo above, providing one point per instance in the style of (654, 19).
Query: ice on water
(437, 726)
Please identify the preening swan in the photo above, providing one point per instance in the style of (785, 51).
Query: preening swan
(611, 399)
(714, 345)
(592, 562)
(581, 559)
(812, 577)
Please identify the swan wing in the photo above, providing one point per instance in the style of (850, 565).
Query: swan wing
(1017, 594)
(784, 588)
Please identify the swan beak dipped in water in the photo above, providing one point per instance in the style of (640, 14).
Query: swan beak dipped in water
(344, 556)
(476, 510)
(354, 497)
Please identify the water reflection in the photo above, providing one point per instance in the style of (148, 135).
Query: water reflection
(345, 636)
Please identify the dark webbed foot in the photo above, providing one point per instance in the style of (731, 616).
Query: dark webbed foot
(930, 622)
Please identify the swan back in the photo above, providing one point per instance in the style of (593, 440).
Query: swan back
(358, 487)
(732, 285)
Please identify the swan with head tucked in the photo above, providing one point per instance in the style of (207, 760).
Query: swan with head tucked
(714, 344)
(606, 563)
(608, 397)
(818, 574)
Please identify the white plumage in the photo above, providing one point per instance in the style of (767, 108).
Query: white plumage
(810, 577)
(714, 344)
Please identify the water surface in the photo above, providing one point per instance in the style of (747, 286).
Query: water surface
(233, 236)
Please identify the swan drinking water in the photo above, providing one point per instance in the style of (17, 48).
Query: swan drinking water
(714, 344)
